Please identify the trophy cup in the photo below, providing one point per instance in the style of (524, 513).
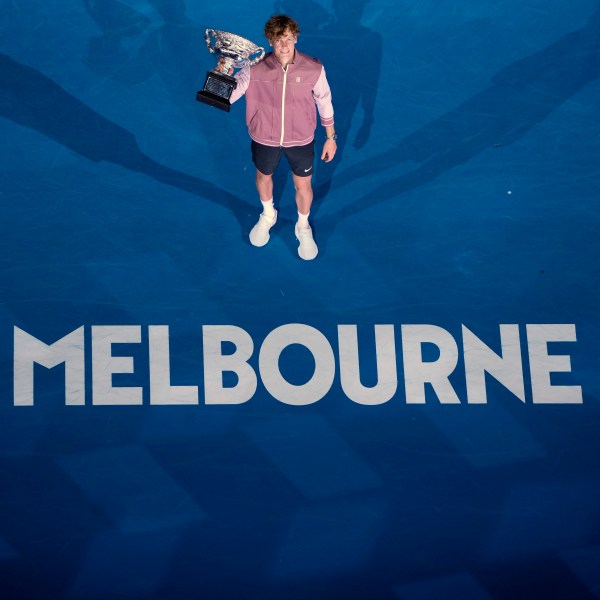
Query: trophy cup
(233, 51)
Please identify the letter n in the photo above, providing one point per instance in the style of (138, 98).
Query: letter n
(480, 359)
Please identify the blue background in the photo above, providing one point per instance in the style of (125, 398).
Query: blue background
(465, 190)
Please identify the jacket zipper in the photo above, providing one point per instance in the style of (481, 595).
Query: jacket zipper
(283, 103)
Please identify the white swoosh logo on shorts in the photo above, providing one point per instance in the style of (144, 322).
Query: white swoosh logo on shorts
(307, 170)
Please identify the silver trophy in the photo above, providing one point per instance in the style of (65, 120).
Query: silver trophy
(234, 52)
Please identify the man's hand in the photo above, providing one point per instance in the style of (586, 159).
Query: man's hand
(221, 67)
(329, 149)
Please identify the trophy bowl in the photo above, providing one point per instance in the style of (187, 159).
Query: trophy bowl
(233, 52)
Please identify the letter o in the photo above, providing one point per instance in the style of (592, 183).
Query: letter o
(268, 363)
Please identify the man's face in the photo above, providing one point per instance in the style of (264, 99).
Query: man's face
(283, 47)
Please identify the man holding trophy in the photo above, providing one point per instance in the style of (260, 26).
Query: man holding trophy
(283, 92)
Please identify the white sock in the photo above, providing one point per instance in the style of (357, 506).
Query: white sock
(303, 220)
(268, 208)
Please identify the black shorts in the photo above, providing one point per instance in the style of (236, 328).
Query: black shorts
(301, 158)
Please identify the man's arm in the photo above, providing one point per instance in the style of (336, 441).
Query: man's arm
(330, 145)
(243, 81)
(322, 96)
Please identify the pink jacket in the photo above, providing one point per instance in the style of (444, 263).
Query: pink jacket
(280, 104)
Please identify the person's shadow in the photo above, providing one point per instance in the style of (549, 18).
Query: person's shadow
(354, 81)
(520, 96)
(114, 51)
(132, 47)
(31, 99)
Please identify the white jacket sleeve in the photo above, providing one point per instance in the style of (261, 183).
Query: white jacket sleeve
(243, 80)
(322, 96)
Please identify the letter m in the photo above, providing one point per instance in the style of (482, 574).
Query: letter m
(30, 350)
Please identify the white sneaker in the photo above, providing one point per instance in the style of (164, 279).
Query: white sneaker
(259, 235)
(307, 250)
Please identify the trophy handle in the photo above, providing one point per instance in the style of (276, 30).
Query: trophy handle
(208, 33)
(259, 57)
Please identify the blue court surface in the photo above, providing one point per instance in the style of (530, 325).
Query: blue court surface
(413, 415)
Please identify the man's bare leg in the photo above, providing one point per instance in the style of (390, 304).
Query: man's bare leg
(264, 186)
(259, 235)
(304, 197)
(304, 193)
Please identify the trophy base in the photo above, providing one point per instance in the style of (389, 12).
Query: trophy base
(213, 100)
(217, 90)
